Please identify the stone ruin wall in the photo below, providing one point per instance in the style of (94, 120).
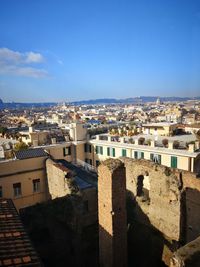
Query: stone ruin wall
(173, 203)
(56, 180)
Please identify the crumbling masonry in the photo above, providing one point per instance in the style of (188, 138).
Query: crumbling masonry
(164, 199)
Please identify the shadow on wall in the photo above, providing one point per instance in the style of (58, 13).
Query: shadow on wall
(147, 247)
(56, 230)
(192, 205)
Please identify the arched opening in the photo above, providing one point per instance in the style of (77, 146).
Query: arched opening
(140, 185)
(143, 186)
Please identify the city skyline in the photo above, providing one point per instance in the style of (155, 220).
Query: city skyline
(88, 50)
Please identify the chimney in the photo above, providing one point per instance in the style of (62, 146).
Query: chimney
(67, 138)
(35, 142)
(170, 145)
(53, 140)
(122, 140)
(197, 145)
(191, 148)
(31, 129)
(152, 143)
(136, 142)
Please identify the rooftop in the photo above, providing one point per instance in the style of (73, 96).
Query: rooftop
(83, 178)
(15, 246)
(30, 153)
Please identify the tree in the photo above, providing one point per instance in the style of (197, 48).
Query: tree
(21, 146)
(3, 130)
(197, 134)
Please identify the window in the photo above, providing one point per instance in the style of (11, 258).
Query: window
(113, 152)
(99, 150)
(108, 151)
(88, 148)
(138, 155)
(89, 161)
(66, 151)
(36, 185)
(173, 162)
(155, 158)
(97, 163)
(123, 152)
(17, 189)
(1, 191)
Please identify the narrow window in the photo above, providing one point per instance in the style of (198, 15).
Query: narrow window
(97, 163)
(113, 152)
(123, 152)
(36, 185)
(173, 162)
(135, 154)
(108, 151)
(17, 189)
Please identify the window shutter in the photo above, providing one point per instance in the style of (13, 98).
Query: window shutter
(69, 150)
(142, 155)
(108, 151)
(135, 154)
(90, 148)
(113, 150)
(101, 150)
(85, 147)
(151, 156)
(159, 159)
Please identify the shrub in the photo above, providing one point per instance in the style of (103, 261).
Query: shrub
(148, 142)
(21, 146)
(165, 142)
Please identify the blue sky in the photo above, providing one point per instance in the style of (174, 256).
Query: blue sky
(61, 50)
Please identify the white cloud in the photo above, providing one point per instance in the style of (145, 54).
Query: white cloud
(32, 57)
(16, 63)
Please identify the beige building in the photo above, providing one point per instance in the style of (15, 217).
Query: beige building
(98, 150)
(34, 138)
(160, 128)
(24, 179)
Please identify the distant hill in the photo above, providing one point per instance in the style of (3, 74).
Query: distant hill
(141, 99)
(131, 100)
(14, 105)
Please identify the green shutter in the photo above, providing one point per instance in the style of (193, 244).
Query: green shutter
(151, 156)
(113, 152)
(96, 149)
(108, 151)
(101, 150)
(159, 159)
(135, 154)
(142, 155)
(174, 162)
(123, 152)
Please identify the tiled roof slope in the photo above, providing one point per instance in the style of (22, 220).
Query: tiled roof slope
(15, 246)
(30, 153)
